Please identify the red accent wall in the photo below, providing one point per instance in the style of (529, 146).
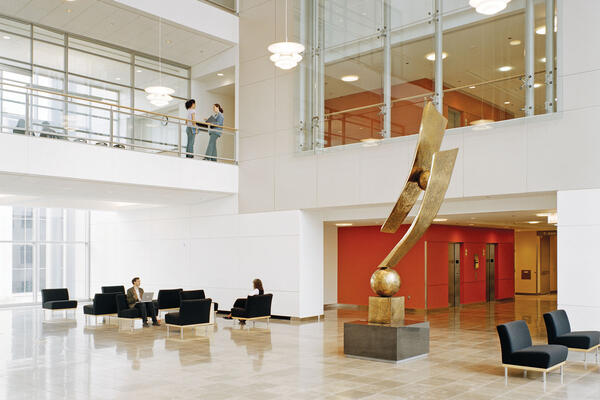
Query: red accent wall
(361, 249)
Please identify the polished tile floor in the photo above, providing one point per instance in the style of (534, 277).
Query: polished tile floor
(67, 360)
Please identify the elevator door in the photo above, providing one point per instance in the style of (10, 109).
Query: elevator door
(490, 271)
(453, 274)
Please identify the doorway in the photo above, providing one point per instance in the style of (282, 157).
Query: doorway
(453, 274)
(544, 265)
(490, 271)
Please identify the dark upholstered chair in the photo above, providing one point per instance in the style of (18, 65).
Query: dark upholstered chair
(257, 307)
(192, 295)
(124, 312)
(518, 351)
(168, 299)
(105, 304)
(57, 300)
(559, 332)
(192, 313)
(113, 289)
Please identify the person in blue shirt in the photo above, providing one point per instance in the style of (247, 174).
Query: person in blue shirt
(214, 132)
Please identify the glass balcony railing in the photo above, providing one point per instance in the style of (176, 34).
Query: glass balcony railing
(55, 115)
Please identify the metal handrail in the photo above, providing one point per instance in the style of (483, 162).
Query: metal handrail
(429, 94)
(68, 95)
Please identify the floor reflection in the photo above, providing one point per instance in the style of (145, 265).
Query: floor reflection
(256, 340)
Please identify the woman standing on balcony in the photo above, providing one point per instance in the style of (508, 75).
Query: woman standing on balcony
(215, 132)
(190, 129)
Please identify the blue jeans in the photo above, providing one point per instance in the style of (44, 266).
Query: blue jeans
(211, 149)
(191, 135)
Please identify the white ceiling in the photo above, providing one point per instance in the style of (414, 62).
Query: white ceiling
(111, 22)
(518, 220)
(71, 193)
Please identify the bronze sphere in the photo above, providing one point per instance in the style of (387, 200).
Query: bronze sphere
(385, 282)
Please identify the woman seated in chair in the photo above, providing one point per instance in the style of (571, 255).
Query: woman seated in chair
(241, 303)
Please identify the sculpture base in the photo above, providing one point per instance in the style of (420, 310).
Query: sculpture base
(386, 310)
(391, 343)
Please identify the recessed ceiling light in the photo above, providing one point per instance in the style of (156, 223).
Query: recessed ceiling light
(515, 42)
(507, 102)
(440, 219)
(505, 68)
(123, 204)
(537, 85)
(431, 56)
(350, 78)
(69, 10)
(6, 37)
(489, 7)
(541, 30)
(168, 41)
(138, 70)
(543, 59)
(344, 224)
(481, 122)
(220, 74)
(117, 79)
(471, 87)
(533, 222)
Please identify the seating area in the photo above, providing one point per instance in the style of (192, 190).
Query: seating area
(57, 300)
(518, 351)
(192, 314)
(257, 307)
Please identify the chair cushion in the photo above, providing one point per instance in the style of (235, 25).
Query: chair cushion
(579, 340)
(168, 298)
(192, 295)
(54, 294)
(557, 324)
(88, 309)
(113, 289)
(172, 318)
(60, 304)
(513, 336)
(544, 356)
(129, 313)
(259, 305)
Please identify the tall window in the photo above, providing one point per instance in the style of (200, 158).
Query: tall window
(42, 248)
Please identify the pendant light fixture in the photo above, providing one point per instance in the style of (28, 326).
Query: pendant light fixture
(488, 7)
(286, 55)
(160, 95)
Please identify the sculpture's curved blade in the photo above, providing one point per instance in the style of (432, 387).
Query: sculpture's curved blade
(441, 172)
(431, 134)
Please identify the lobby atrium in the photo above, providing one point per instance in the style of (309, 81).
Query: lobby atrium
(299, 199)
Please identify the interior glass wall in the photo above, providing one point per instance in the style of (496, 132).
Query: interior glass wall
(42, 248)
(483, 68)
(60, 62)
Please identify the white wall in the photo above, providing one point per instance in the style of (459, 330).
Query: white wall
(28, 155)
(578, 265)
(183, 247)
(330, 263)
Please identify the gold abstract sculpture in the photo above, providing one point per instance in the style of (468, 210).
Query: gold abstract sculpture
(431, 172)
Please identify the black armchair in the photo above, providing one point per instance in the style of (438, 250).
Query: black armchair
(257, 307)
(168, 299)
(559, 331)
(196, 295)
(192, 314)
(113, 289)
(105, 304)
(57, 300)
(518, 351)
(124, 312)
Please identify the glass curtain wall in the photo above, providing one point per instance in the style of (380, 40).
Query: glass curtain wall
(484, 66)
(42, 248)
(57, 61)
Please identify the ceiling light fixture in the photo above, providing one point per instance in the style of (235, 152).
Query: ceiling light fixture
(488, 7)
(533, 222)
(440, 219)
(431, 56)
(505, 68)
(350, 78)
(138, 70)
(220, 74)
(342, 224)
(543, 59)
(6, 37)
(471, 87)
(515, 42)
(481, 122)
(286, 55)
(160, 95)
(537, 85)
(541, 30)
(507, 102)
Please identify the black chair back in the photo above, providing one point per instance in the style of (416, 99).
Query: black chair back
(121, 300)
(192, 295)
(557, 324)
(54, 294)
(105, 303)
(168, 298)
(259, 305)
(195, 311)
(513, 336)
(113, 289)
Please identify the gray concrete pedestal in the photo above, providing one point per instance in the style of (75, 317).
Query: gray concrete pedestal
(389, 342)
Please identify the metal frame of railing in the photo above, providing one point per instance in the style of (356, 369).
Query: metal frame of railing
(108, 139)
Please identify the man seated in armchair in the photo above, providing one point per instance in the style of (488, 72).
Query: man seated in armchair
(134, 299)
